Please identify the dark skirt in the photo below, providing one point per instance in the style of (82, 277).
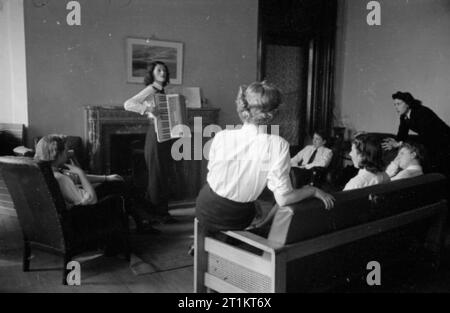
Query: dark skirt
(158, 159)
(216, 213)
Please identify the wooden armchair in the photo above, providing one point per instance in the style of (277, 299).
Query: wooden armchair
(46, 222)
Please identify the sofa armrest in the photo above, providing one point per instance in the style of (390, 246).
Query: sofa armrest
(255, 240)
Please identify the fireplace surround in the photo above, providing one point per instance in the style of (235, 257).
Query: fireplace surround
(105, 123)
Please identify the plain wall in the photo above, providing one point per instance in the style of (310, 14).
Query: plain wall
(13, 87)
(410, 51)
(70, 67)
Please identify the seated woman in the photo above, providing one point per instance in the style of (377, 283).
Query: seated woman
(242, 162)
(315, 155)
(408, 162)
(366, 156)
(77, 187)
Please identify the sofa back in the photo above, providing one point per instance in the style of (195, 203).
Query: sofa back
(309, 219)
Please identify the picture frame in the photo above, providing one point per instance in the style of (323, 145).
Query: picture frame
(141, 52)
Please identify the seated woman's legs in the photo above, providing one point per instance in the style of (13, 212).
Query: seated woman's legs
(132, 204)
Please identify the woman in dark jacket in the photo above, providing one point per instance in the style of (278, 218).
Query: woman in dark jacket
(433, 132)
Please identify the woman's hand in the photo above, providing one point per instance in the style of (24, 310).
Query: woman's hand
(74, 169)
(152, 109)
(390, 143)
(326, 198)
(114, 177)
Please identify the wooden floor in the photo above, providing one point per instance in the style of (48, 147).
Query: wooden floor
(99, 273)
(102, 274)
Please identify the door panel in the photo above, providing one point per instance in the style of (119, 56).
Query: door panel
(287, 69)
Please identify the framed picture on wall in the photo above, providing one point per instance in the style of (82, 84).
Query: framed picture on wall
(141, 52)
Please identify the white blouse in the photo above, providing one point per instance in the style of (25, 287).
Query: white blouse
(243, 161)
(72, 194)
(140, 103)
(409, 172)
(322, 157)
(366, 179)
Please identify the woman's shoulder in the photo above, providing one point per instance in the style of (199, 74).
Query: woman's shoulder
(355, 182)
(383, 177)
(424, 111)
(278, 140)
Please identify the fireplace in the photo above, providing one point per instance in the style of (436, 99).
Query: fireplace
(123, 148)
(113, 134)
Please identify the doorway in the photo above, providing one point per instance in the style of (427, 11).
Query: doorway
(296, 53)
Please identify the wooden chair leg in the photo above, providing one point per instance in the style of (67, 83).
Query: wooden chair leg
(126, 232)
(200, 262)
(26, 256)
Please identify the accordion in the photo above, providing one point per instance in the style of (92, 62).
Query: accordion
(172, 112)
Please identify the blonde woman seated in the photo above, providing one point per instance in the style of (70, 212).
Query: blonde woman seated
(82, 198)
(408, 162)
(366, 156)
(73, 182)
(79, 188)
(242, 162)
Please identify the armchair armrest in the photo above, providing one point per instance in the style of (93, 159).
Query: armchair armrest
(23, 151)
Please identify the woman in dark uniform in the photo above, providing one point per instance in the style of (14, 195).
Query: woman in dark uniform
(157, 155)
(433, 132)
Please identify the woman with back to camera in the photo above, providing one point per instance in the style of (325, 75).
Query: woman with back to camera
(242, 162)
(366, 156)
(157, 155)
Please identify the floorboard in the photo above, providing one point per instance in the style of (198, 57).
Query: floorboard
(102, 274)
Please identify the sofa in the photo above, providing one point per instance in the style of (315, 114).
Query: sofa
(307, 248)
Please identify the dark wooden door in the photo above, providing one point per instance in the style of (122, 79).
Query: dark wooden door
(296, 53)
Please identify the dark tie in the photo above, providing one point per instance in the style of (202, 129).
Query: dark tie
(311, 159)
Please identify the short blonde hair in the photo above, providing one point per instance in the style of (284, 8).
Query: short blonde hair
(50, 147)
(258, 103)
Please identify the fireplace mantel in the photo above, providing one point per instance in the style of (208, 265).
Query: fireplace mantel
(103, 121)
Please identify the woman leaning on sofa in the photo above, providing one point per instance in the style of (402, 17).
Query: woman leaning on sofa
(433, 132)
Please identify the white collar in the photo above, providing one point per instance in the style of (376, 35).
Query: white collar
(408, 114)
(253, 129)
(157, 86)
